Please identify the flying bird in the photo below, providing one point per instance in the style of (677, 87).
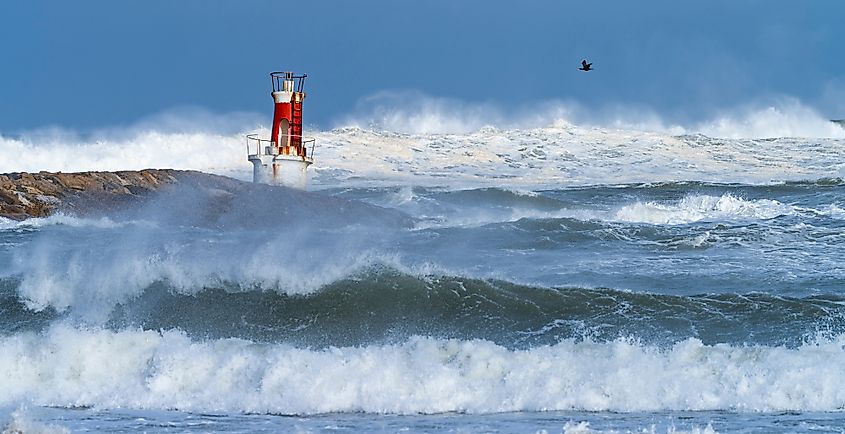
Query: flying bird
(585, 66)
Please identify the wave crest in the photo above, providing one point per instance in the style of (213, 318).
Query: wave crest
(703, 207)
(167, 370)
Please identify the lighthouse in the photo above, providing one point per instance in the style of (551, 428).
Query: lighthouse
(285, 157)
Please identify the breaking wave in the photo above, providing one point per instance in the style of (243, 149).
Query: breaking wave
(436, 208)
(430, 142)
(382, 306)
(168, 370)
(703, 207)
(190, 240)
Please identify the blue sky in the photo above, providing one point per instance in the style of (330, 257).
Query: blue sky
(97, 63)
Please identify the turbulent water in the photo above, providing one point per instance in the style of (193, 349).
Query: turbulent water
(560, 279)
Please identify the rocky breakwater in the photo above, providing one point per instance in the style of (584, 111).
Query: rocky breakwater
(186, 198)
(24, 195)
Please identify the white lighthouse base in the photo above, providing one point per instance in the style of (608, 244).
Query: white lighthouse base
(287, 170)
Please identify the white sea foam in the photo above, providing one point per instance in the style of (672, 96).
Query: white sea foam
(6, 223)
(21, 423)
(577, 428)
(65, 366)
(583, 427)
(694, 430)
(690, 209)
(565, 156)
(703, 207)
(412, 138)
(834, 211)
(432, 143)
(62, 219)
(216, 153)
(480, 217)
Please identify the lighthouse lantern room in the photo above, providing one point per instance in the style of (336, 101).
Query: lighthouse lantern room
(284, 158)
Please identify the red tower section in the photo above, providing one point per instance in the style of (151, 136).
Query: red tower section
(288, 95)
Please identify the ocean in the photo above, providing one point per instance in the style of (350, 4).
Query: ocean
(556, 279)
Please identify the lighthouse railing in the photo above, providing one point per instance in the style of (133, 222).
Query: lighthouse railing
(279, 77)
(269, 147)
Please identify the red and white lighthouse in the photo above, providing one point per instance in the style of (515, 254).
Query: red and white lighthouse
(284, 158)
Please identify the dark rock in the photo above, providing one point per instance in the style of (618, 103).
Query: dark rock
(24, 195)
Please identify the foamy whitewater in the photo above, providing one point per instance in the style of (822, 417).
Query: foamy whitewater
(441, 275)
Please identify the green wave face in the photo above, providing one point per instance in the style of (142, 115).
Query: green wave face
(385, 306)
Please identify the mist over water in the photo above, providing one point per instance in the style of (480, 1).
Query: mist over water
(443, 262)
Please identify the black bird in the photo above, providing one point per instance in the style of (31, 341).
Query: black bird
(585, 66)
